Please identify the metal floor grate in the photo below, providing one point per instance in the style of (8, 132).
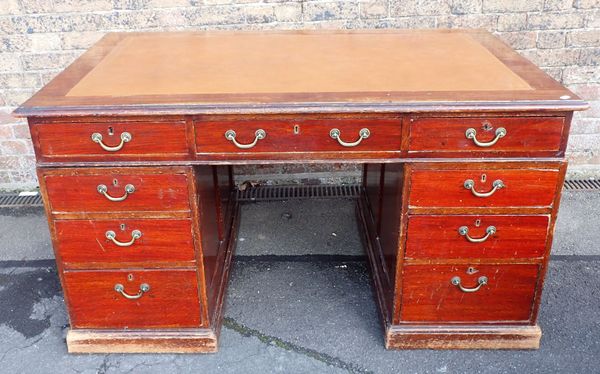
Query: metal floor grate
(582, 184)
(17, 200)
(270, 193)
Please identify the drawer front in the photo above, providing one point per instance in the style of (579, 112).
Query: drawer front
(113, 243)
(469, 236)
(451, 188)
(151, 192)
(122, 140)
(171, 300)
(526, 135)
(298, 136)
(430, 296)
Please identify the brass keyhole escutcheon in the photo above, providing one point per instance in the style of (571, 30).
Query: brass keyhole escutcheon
(477, 222)
(122, 227)
(115, 182)
(111, 131)
(483, 177)
(471, 270)
(296, 129)
(486, 126)
(130, 277)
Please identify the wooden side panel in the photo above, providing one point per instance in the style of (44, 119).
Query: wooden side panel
(533, 187)
(391, 217)
(158, 190)
(372, 179)
(209, 221)
(540, 136)
(171, 302)
(429, 296)
(164, 242)
(438, 237)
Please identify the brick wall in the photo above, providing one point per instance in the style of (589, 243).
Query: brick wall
(38, 38)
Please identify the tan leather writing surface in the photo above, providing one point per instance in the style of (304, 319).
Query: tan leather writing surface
(187, 63)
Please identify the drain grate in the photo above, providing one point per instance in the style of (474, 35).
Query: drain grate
(17, 200)
(270, 193)
(582, 184)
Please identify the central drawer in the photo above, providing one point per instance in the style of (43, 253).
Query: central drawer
(281, 137)
(133, 299)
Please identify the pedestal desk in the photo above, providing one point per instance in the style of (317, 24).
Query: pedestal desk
(462, 143)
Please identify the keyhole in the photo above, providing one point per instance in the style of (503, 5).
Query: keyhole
(471, 270)
(130, 277)
(477, 222)
(296, 129)
(487, 126)
(111, 131)
(122, 226)
(115, 182)
(483, 177)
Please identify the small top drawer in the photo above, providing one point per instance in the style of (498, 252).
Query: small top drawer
(515, 136)
(483, 188)
(124, 190)
(286, 138)
(110, 141)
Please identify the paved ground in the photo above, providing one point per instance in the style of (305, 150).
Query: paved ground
(292, 256)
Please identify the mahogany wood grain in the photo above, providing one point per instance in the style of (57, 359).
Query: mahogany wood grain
(297, 136)
(75, 190)
(539, 136)
(164, 243)
(535, 187)
(428, 296)
(437, 237)
(149, 140)
(171, 302)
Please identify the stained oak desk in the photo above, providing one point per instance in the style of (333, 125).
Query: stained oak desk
(462, 142)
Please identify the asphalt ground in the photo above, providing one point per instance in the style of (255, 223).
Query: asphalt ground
(300, 301)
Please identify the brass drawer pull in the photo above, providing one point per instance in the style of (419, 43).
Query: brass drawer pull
(258, 135)
(470, 185)
(362, 134)
(144, 287)
(471, 133)
(102, 189)
(125, 138)
(135, 234)
(464, 231)
(483, 280)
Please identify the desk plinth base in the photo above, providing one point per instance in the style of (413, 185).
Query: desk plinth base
(132, 341)
(463, 337)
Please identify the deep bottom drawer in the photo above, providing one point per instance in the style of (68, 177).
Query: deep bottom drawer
(429, 295)
(171, 300)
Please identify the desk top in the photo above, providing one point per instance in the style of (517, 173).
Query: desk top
(299, 71)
